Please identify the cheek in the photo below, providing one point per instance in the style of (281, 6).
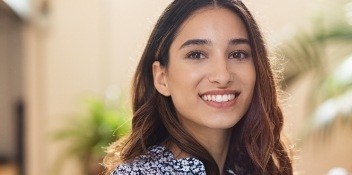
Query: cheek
(247, 80)
(246, 74)
(184, 76)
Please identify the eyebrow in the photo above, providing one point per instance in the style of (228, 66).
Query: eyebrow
(238, 41)
(235, 41)
(195, 42)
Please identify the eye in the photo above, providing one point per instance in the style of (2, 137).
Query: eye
(239, 55)
(195, 55)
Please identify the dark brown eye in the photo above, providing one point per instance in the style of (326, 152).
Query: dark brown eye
(195, 55)
(239, 55)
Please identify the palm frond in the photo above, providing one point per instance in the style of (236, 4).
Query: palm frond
(307, 53)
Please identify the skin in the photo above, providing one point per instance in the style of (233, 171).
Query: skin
(210, 55)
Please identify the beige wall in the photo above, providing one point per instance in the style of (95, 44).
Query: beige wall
(74, 52)
(82, 47)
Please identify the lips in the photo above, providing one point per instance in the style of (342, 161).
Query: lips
(224, 98)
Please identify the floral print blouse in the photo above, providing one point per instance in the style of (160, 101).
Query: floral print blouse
(160, 161)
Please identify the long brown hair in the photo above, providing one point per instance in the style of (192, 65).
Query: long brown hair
(255, 146)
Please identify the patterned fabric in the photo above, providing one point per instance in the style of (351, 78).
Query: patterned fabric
(160, 161)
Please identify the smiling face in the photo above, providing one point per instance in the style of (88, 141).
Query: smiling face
(210, 75)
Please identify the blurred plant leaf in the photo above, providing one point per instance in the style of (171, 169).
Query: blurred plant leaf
(307, 53)
(89, 134)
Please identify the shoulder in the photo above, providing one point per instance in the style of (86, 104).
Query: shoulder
(155, 161)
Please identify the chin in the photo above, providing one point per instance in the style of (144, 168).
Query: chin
(222, 124)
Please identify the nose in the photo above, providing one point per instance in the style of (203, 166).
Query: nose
(220, 73)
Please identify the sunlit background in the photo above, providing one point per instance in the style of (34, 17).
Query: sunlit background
(66, 67)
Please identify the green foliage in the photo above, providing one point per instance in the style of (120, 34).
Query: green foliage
(88, 135)
(317, 52)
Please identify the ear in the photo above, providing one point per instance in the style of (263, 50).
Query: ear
(159, 77)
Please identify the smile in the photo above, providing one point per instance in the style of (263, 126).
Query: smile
(220, 99)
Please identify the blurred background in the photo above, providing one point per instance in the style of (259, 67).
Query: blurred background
(66, 67)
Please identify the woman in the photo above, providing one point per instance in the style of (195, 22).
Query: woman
(204, 97)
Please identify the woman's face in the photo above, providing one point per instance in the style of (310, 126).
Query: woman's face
(211, 75)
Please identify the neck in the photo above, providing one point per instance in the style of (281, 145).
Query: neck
(216, 141)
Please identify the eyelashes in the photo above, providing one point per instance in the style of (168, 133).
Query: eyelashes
(240, 55)
(196, 55)
(237, 54)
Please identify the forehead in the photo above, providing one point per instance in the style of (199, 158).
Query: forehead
(212, 23)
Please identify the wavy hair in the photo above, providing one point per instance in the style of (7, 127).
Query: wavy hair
(256, 145)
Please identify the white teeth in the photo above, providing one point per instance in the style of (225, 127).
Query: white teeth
(231, 97)
(204, 97)
(224, 98)
(219, 98)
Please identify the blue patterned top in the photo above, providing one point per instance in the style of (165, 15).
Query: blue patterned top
(160, 161)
